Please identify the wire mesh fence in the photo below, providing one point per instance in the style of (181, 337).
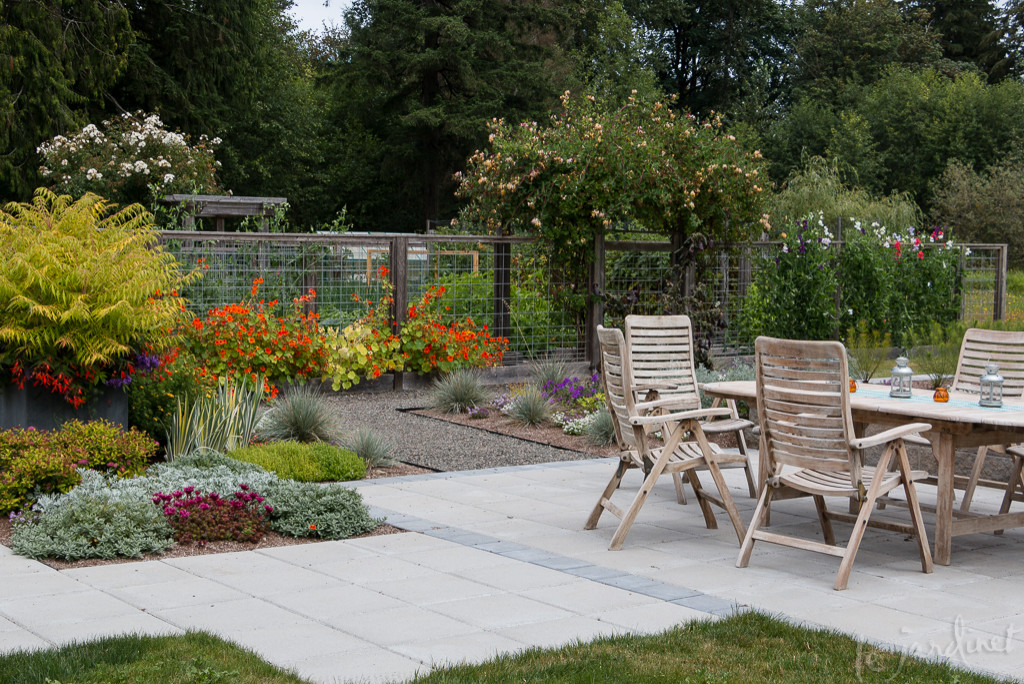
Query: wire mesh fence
(504, 283)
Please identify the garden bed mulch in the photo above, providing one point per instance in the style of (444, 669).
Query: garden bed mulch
(270, 539)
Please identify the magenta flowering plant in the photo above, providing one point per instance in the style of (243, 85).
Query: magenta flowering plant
(200, 518)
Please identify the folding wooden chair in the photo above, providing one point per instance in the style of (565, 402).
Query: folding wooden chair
(803, 400)
(638, 451)
(661, 355)
(979, 348)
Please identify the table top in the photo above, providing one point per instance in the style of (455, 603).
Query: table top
(961, 408)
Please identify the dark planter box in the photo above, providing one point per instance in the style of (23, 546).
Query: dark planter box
(35, 407)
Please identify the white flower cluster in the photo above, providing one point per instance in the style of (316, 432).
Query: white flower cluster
(574, 425)
(132, 145)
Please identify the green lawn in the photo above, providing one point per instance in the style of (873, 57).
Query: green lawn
(750, 647)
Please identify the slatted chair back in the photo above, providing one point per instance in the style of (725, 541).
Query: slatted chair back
(981, 347)
(617, 379)
(661, 357)
(804, 405)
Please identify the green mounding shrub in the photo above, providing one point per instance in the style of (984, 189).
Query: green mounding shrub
(370, 446)
(301, 415)
(305, 509)
(48, 461)
(458, 391)
(103, 525)
(305, 462)
(531, 407)
(600, 429)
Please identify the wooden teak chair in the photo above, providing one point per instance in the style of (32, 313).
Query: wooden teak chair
(639, 451)
(661, 356)
(979, 348)
(807, 436)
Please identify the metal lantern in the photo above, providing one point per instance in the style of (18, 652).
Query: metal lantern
(902, 377)
(991, 387)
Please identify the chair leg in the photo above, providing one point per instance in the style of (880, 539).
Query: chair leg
(760, 516)
(910, 491)
(638, 502)
(727, 500)
(677, 480)
(709, 515)
(826, 524)
(972, 484)
(747, 468)
(861, 524)
(613, 484)
(1016, 478)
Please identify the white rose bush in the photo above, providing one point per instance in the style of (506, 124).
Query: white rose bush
(131, 158)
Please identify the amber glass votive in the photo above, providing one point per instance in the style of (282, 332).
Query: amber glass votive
(941, 395)
(853, 385)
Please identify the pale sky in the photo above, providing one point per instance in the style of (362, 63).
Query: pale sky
(311, 14)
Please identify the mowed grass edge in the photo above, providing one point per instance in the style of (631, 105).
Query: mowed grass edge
(749, 647)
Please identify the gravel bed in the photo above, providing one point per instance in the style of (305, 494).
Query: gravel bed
(437, 444)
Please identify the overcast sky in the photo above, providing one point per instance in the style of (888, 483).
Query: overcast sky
(311, 14)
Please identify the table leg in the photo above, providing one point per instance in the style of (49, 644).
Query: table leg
(945, 453)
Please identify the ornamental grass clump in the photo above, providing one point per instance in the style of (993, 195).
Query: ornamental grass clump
(601, 428)
(303, 414)
(458, 391)
(531, 407)
(372, 447)
(201, 518)
(219, 421)
(545, 371)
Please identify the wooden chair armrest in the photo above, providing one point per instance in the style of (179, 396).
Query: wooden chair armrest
(889, 435)
(666, 403)
(676, 417)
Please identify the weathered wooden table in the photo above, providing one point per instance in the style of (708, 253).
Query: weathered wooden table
(959, 423)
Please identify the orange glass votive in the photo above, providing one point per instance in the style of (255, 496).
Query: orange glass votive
(853, 385)
(941, 395)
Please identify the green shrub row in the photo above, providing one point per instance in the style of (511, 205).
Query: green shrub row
(49, 461)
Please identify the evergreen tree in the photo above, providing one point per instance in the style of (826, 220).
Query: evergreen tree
(969, 31)
(705, 52)
(57, 58)
(417, 85)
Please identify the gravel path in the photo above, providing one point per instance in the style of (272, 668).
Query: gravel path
(434, 443)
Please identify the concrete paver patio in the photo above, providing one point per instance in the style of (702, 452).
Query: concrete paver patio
(499, 562)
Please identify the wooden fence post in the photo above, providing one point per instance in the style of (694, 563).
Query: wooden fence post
(595, 303)
(502, 289)
(398, 255)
